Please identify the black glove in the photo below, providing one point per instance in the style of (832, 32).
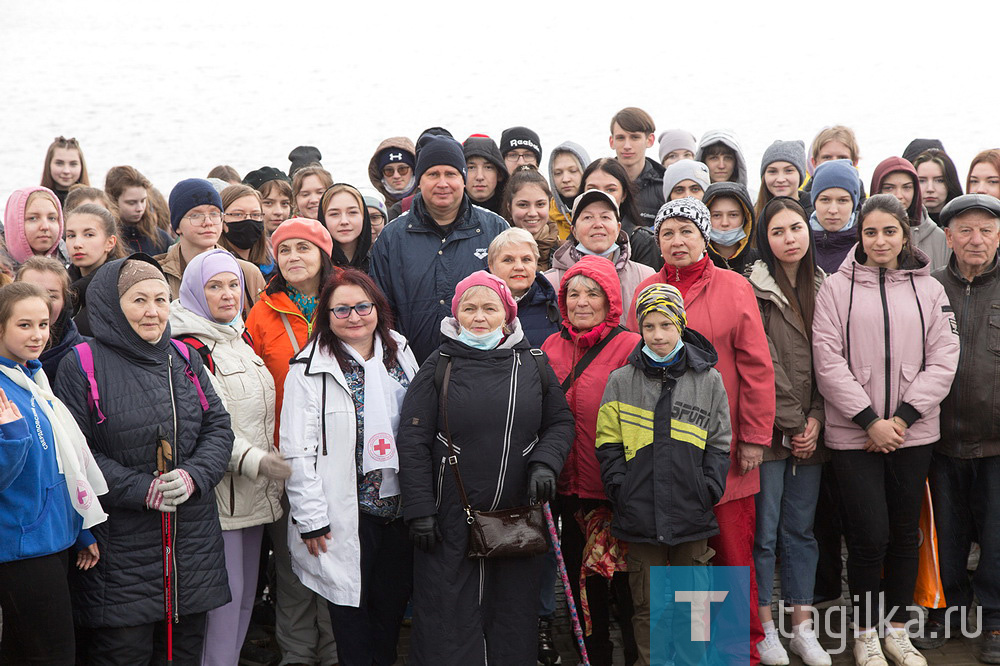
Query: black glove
(424, 533)
(541, 482)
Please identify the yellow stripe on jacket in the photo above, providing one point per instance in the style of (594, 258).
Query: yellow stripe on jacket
(621, 423)
(687, 432)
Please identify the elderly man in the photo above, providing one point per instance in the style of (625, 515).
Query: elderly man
(423, 254)
(965, 474)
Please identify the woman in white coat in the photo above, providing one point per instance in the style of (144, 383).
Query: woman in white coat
(207, 318)
(338, 426)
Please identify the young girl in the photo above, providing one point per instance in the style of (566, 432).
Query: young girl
(607, 175)
(782, 172)
(566, 165)
(129, 191)
(64, 167)
(526, 205)
(275, 195)
(938, 180)
(81, 194)
(50, 275)
(33, 224)
(50, 485)
(308, 185)
(984, 174)
(243, 228)
(91, 240)
(344, 214)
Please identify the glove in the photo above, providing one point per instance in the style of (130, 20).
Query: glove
(541, 482)
(154, 498)
(424, 533)
(177, 487)
(274, 467)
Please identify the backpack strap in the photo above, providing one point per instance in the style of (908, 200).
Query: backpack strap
(439, 371)
(189, 372)
(543, 365)
(200, 347)
(291, 334)
(247, 338)
(86, 357)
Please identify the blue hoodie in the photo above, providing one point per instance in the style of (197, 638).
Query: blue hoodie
(36, 516)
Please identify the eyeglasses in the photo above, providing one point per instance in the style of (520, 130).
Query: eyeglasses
(239, 217)
(377, 218)
(390, 171)
(344, 311)
(199, 218)
(516, 156)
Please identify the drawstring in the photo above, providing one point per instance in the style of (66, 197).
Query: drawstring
(923, 331)
(850, 304)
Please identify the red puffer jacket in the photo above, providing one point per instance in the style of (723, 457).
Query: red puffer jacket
(581, 475)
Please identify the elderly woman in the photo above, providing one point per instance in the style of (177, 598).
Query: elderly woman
(591, 307)
(513, 257)
(721, 305)
(511, 431)
(597, 231)
(146, 404)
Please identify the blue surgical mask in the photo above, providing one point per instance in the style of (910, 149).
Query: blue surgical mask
(606, 254)
(728, 238)
(663, 360)
(486, 341)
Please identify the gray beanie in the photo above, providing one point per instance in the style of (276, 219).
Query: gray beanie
(684, 170)
(677, 139)
(689, 208)
(793, 152)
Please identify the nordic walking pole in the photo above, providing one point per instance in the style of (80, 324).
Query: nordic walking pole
(566, 588)
(164, 463)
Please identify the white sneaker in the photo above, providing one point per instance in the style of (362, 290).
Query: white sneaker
(901, 650)
(805, 645)
(868, 650)
(772, 652)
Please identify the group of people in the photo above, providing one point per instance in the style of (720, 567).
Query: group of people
(339, 380)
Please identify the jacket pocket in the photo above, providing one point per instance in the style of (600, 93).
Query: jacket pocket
(994, 334)
(45, 534)
(863, 374)
(909, 372)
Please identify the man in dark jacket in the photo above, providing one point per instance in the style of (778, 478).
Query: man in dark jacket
(486, 172)
(423, 254)
(632, 132)
(965, 474)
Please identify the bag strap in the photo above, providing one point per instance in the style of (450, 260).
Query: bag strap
(291, 334)
(453, 457)
(200, 347)
(588, 358)
(542, 362)
(189, 372)
(86, 357)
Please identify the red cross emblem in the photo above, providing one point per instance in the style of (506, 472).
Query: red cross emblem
(380, 446)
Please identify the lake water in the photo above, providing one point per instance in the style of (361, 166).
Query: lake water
(176, 88)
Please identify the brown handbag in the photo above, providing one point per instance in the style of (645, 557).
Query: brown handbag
(516, 532)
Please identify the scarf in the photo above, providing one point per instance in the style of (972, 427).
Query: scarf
(383, 397)
(816, 226)
(305, 304)
(84, 479)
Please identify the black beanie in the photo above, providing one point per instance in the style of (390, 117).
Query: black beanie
(303, 156)
(438, 150)
(263, 175)
(520, 137)
(483, 146)
(427, 134)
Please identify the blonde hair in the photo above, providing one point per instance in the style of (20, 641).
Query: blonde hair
(304, 173)
(70, 144)
(841, 133)
(507, 237)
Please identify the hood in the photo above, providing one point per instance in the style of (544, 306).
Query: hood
(603, 272)
(13, 228)
(540, 291)
(450, 330)
(891, 165)
(766, 286)
(738, 192)
(108, 322)
(186, 322)
(567, 255)
(484, 147)
(699, 354)
(375, 176)
(360, 260)
(577, 151)
(853, 267)
(917, 146)
(728, 138)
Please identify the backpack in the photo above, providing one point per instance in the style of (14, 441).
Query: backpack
(203, 351)
(86, 356)
(540, 360)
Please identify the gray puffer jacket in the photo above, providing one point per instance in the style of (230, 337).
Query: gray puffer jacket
(144, 395)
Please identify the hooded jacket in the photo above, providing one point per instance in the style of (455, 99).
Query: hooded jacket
(797, 397)
(417, 267)
(244, 498)
(729, 139)
(649, 187)
(13, 228)
(253, 281)
(69, 337)
(925, 234)
(630, 273)
(885, 343)
(145, 396)
(832, 247)
(483, 146)
(538, 311)
(663, 438)
(375, 176)
(561, 210)
(361, 257)
(746, 253)
(582, 475)
(721, 306)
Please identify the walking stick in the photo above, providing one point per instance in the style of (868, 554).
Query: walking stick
(165, 463)
(565, 581)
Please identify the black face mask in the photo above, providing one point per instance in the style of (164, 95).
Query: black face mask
(244, 234)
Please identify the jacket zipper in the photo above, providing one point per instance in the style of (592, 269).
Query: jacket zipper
(440, 484)
(173, 546)
(961, 353)
(888, 359)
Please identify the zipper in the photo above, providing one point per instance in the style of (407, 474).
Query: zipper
(961, 353)
(440, 484)
(888, 358)
(173, 438)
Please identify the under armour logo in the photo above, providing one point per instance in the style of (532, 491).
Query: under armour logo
(395, 157)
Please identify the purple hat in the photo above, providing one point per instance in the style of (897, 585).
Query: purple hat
(199, 271)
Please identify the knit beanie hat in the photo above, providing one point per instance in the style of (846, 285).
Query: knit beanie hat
(480, 145)
(306, 229)
(263, 175)
(134, 272)
(374, 199)
(392, 155)
(793, 152)
(685, 170)
(198, 272)
(590, 196)
(917, 146)
(520, 137)
(440, 150)
(837, 173)
(665, 299)
(426, 135)
(688, 208)
(677, 139)
(303, 156)
(485, 279)
(189, 194)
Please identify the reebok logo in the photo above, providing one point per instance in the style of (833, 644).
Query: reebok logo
(514, 143)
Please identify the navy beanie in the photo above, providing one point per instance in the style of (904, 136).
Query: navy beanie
(394, 155)
(520, 137)
(837, 173)
(189, 194)
(438, 150)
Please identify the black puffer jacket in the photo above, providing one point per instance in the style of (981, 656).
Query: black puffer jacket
(649, 197)
(144, 394)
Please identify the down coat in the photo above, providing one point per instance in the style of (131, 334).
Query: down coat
(144, 395)
(885, 343)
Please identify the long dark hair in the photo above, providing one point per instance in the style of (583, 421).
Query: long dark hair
(322, 332)
(948, 170)
(802, 296)
(611, 167)
(888, 204)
